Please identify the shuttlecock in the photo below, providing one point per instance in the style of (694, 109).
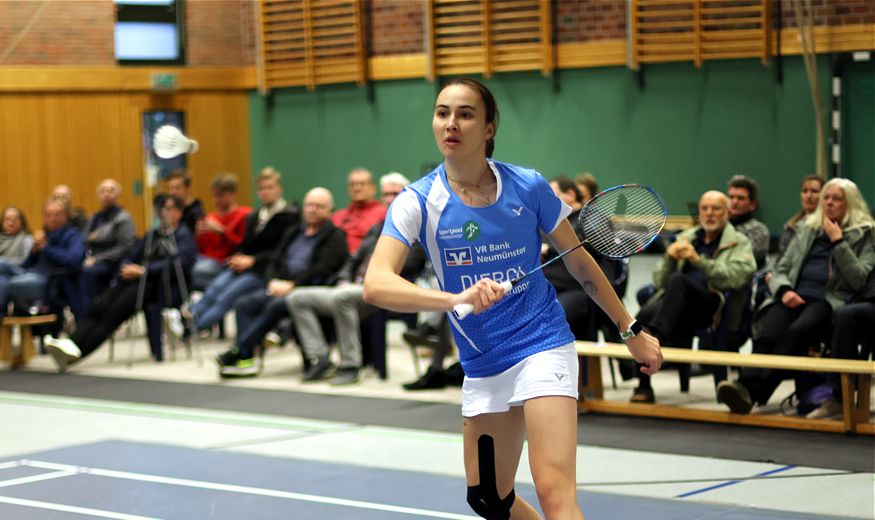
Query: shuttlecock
(169, 142)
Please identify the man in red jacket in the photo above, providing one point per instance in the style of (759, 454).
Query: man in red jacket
(363, 210)
(220, 233)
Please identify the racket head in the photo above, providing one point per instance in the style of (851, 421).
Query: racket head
(623, 220)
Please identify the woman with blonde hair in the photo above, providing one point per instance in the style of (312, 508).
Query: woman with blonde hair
(825, 264)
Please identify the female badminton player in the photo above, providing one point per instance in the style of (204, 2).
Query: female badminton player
(479, 221)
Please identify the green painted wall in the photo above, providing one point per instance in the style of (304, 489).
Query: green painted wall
(686, 132)
(858, 126)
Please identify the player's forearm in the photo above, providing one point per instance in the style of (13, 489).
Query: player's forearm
(389, 291)
(590, 276)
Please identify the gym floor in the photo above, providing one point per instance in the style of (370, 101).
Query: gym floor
(147, 441)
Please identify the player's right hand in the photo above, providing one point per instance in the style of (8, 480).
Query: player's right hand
(482, 295)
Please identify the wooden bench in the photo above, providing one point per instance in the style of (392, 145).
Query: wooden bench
(26, 351)
(855, 417)
(679, 222)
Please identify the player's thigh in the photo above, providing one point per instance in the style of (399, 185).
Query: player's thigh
(508, 432)
(551, 426)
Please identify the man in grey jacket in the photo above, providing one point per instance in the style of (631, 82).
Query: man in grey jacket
(698, 267)
(109, 235)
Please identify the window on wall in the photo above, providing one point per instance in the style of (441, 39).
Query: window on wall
(149, 32)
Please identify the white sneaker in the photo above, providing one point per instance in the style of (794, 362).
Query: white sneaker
(174, 322)
(827, 409)
(63, 351)
(272, 340)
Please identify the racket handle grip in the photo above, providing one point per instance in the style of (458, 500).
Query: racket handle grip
(462, 310)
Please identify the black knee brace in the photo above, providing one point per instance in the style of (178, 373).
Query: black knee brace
(483, 498)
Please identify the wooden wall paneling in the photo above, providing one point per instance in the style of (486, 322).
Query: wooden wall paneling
(81, 138)
(219, 121)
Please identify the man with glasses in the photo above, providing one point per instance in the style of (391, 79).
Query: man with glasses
(308, 254)
(344, 303)
(362, 212)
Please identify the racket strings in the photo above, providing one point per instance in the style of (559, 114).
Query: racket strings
(622, 221)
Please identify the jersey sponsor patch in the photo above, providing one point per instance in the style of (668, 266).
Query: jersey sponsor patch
(458, 256)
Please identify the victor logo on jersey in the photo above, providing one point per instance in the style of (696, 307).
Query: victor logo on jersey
(470, 230)
(458, 256)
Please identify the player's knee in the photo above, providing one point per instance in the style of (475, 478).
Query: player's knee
(483, 498)
(556, 492)
(488, 505)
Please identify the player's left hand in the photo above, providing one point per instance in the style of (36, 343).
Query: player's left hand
(645, 349)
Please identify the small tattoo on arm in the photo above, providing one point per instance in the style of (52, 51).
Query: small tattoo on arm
(589, 288)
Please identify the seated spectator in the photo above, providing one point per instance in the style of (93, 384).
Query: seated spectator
(434, 332)
(344, 303)
(704, 261)
(179, 184)
(826, 263)
(852, 338)
(743, 201)
(154, 263)
(109, 237)
(311, 254)
(78, 218)
(587, 186)
(247, 267)
(51, 271)
(809, 197)
(15, 245)
(220, 233)
(362, 212)
(582, 316)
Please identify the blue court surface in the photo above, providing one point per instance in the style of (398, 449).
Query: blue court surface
(130, 480)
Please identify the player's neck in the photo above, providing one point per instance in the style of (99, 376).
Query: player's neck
(467, 171)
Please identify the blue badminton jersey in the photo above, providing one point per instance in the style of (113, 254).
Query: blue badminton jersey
(501, 242)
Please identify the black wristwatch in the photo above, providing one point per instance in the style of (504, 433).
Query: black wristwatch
(633, 330)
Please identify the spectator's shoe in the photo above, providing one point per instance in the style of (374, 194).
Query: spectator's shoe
(345, 376)
(319, 369)
(432, 379)
(643, 394)
(423, 335)
(232, 365)
(63, 351)
(735, 396)
(827, 409)
(173, 318)
(272, 340)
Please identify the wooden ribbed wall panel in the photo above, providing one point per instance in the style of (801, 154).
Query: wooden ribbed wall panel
(698, 30)
(81, 138)
(310, 43)
(489, 36)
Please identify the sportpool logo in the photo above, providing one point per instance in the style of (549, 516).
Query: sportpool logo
(458, 256)
(470, 230)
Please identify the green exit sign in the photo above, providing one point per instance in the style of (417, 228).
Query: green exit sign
(164, 81)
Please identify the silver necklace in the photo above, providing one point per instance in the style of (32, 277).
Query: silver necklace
(478, 195)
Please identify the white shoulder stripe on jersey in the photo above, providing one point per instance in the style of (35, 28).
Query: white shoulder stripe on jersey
(436, 201)
(563, 214)
(406, 215)
(438, 196)
(497, 179)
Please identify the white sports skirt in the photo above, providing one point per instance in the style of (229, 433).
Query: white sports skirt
(551, 372)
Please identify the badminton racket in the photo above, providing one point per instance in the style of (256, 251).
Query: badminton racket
(616, 223)
(170, 142)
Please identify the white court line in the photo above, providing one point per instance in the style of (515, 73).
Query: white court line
(10, 464)
(248, 490)
(72, 509)
(37, 478)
